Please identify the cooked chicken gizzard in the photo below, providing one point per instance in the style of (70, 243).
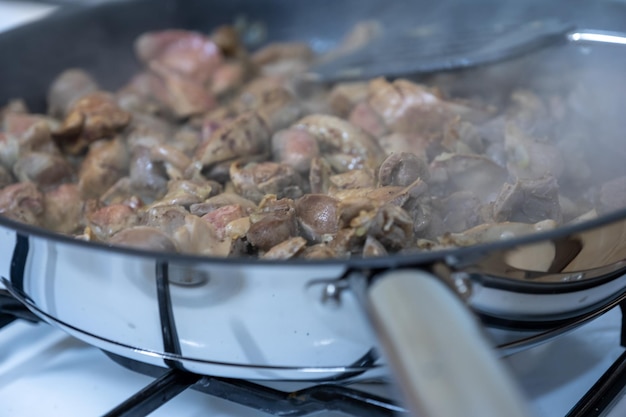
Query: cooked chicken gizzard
(213, 150)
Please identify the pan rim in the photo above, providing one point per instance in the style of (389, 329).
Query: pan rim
(397, 260)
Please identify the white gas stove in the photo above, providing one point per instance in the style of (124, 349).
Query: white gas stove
(43, 371)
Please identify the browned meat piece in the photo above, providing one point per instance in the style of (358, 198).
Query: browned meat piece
(39, 138)
(344, 96)
(294, 147)
(106, 162)
(148, 129)
(228, 77)
(68, 87)
(373, 248)
(528, 158)
(165, 91)
(337, 136)
(227, 39)
(64, 209)
(145, 93)
(189, 54)
(148, 177)
(9, 150)
(402, 169)
(165, 218)
(612, 196)
(172, 157)
(416, 201)
(44, 169)
(319, 251)
(319, 176)
(237, 230)
(357, 178)
(220, 217)
(460, 211)
(347, 242)
(389, 224)
(276, 105)
(254, 92)
(186, 140)
(221, 200)
(185, 193)
(120, 193)
(528, 201)
(288, 249)
(22, 202)
(199, 237)
(244, 136)
(409, 108)
(400, 142)
(255, 180)
(107, 221)
(272, 229)
(143, 237)
(462, 137)
(185, 97)
(24, 136)
(215, 119)
(5, 177)
(364, 116)
(318, 214)
(17, 123)
(455, 172)
(279, 108)
(92, 117)
(377, 196)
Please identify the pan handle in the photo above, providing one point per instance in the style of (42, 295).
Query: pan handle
(443, 364)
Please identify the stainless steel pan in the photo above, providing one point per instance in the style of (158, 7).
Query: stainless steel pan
(292, 320)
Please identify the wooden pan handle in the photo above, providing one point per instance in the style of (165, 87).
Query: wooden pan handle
(443, 364)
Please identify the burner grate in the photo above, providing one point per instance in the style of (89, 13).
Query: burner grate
(322, 397)
(11, 310)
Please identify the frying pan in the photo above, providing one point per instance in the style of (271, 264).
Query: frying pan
(293, 320)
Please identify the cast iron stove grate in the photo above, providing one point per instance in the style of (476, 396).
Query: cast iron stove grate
(323, 397)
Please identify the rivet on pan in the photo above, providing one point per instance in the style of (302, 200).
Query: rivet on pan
(187, 277)
(332, 293)
(462, 283)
